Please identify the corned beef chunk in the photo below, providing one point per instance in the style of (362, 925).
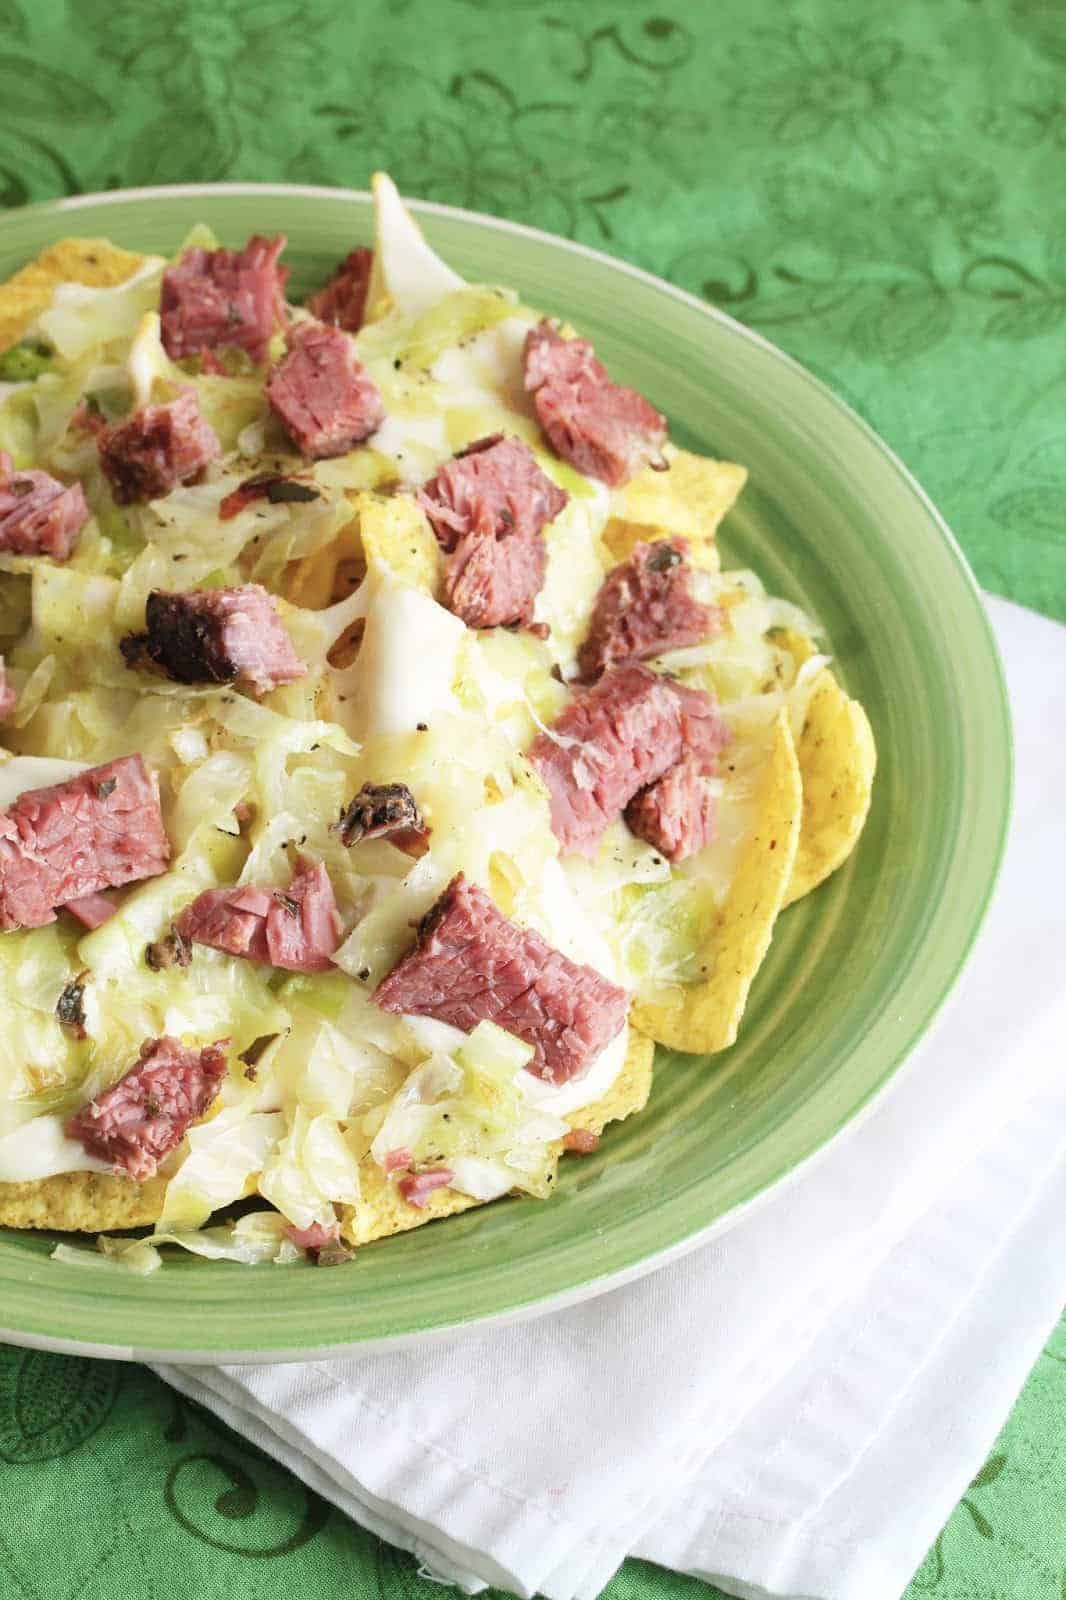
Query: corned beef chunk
(343, 299)
(602, 429)
(147, 1113)
(322, 393)
(92, 910)
(74, 839)
(224, 297)
(216, 636)
(646, 606)
(385, 811)
(297, 928)
(39, 516)
(9, 695)
(677, 815)
(316, 1237)
(470, 965)
(488, 508)
(153, 451)
(615, 739)
(704, 731)
(417, 1188)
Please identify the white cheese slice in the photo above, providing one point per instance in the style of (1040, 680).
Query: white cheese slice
(40, 1149)
(408, 660)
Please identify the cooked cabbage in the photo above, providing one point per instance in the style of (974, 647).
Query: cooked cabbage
(468, 1107)
(247, 785)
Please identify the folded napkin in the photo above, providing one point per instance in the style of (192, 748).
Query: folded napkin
(795, 1408)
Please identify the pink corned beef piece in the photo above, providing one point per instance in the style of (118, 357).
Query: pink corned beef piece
(615, 739)
(601, 428)
(646, 606)
(92, 910)
(216, 636)
(417, 1189)
(316, 1237)
(224, 297)
(157, 448)
(146, 1114)
(678, 814)
(297, 928)
(322, 392)
(343, 299)
(39, 516)
(470, 965)
(396, 1160)
(488, 507)
(96, 831)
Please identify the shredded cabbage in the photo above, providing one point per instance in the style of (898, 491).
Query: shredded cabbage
(82, 320)
(469, 1106)
(315, 1166)
(252, 1240)
(247, 784)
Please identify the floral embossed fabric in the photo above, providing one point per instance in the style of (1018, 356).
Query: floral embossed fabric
(880, 191)
(877, 189)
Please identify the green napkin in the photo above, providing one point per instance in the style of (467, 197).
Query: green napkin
(878, 190)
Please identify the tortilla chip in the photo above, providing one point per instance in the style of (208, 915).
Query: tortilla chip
(81, 1202)
(397, 539)
(705, 1016)
(312, 582)
(383, 1210)
(691, 498)
(628, 1093)
(837, 759)
(388, 533)
(94, 262)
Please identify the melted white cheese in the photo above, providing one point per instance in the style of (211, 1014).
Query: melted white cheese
(562, 1098)
(486, 371)
(40, 1149)
(407, 661)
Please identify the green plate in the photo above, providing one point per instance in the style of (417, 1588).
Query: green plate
(830, 519)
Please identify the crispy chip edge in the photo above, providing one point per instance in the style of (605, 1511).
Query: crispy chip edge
(705, 1017)
(383, 1212)
(838, 761)
(97, 263)
(81, 1202)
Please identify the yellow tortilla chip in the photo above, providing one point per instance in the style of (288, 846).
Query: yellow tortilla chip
(388, 533)
(691, 498)
(628, 1093)
(312, 582)
(397, 539)
(81, 1202)
(837, 759)
(94, 262)
(705, 1016)
(383, 1210)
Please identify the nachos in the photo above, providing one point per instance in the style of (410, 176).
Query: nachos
(387, 761)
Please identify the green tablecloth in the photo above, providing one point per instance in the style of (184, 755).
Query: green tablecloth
(880, 191)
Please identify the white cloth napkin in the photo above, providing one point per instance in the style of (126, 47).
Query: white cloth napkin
(795, 1408)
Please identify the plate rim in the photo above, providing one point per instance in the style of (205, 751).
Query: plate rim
(528, 1309)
